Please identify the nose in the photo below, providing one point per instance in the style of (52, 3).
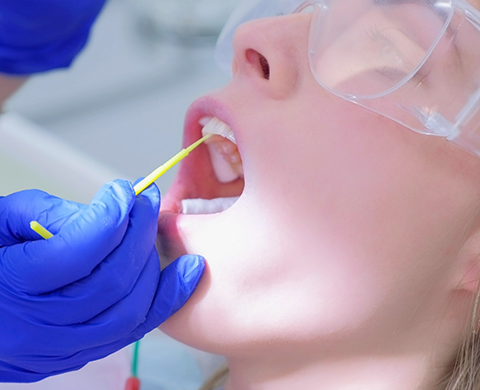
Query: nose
(273, 53)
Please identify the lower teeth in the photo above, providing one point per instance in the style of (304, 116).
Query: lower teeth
(206, 206)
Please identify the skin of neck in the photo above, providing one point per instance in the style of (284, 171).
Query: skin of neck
(413, 359)
(362, 373)
(402, 372)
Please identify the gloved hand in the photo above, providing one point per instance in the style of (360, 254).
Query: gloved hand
(39, 35)
(90, 290)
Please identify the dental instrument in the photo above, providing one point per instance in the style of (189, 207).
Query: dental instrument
(169, 164)
(44, 233)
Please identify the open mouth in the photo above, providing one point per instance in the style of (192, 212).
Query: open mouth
(226, 164)
(211, 179)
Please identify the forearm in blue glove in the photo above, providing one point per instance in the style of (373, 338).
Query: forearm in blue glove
(90, 290)
(39, 35)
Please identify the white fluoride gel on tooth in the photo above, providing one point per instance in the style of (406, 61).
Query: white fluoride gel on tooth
(216, 126)
(226, 165)
(206, 206)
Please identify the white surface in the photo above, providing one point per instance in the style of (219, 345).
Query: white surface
(110, 373)
(38, 159)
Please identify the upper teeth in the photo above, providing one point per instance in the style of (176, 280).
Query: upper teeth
(216, 126)
(224, 155)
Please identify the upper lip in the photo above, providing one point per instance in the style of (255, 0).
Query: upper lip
(205, 107)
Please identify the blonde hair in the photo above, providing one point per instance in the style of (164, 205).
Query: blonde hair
(464, 373)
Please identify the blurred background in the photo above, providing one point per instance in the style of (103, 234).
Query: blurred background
(122, 103)
(117, 112)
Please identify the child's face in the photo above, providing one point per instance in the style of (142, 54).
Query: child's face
(348, 227)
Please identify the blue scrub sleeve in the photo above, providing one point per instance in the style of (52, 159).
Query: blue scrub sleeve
(40, 35)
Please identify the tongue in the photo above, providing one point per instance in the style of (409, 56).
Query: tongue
(206, 206)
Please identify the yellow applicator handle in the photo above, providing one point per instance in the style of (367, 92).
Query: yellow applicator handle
(44, 233)
(169, 164)
(35, 226)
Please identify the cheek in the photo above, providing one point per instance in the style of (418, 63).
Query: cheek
(291, 284)
(356, 211)
(336, 233)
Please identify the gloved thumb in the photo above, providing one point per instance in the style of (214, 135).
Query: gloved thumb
(177, 283)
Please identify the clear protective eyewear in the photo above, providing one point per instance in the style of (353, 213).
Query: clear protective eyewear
(416, 62)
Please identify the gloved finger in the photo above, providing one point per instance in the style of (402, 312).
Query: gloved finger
(113, 324)
(179, 281)
(19, 209)
(116, 276)
(39, 267)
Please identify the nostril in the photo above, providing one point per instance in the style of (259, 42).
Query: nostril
(265, 67)
(260, 62)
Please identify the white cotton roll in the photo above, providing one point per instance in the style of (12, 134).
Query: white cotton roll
(207, 206)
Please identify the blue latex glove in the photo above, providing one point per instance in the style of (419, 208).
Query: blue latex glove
(90, 290)
(39, 35)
